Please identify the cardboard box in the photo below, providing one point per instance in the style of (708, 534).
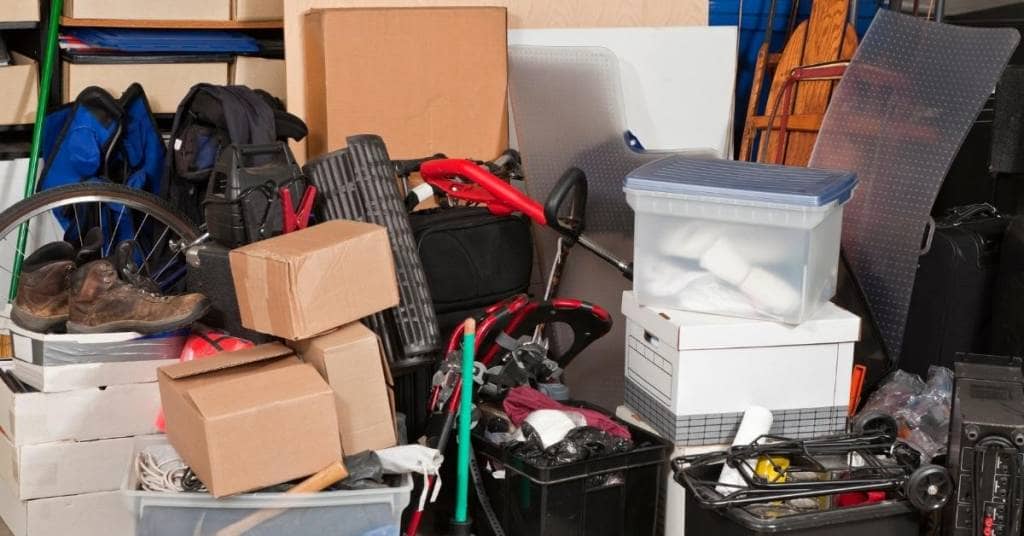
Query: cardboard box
(65, 467)
(57, 378)
(80, 415)
(692, 375)
(19, 83)
(427, 80)
(260, 73)
(91, 514)
(20, 11)
(311, 281)
(165, 83)
(150, 10)
(352, 362)
(250, 419)
(251, 10)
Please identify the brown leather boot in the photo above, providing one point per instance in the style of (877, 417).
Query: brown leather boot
(100, 302)
(41, 304)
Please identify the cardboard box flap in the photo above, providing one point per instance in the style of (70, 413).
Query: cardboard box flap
(225, 360)
(258, 390)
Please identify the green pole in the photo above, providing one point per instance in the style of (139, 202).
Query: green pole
(49, 53)
(465, 419)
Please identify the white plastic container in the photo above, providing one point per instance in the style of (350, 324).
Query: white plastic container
(374, 512)
(736, 238)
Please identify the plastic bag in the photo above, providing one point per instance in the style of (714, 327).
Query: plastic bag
(582, 443)
(915, 411)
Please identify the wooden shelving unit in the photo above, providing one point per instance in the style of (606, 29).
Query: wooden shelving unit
(173, 24)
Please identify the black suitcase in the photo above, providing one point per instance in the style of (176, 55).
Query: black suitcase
(1008, 302)
(951, 305)
(209, 273)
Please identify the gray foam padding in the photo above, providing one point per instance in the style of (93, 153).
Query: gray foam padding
(897, 119)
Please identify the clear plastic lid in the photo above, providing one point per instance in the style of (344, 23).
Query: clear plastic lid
(746, 181)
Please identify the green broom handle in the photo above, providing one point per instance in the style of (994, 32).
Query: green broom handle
(50, 52)
(465, 421)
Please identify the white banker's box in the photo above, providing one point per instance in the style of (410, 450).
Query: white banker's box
(691, 375)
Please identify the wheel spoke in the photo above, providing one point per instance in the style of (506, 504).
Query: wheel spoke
(78, 224)
(113, 234)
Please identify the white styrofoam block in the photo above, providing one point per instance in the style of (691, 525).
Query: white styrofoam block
(57, 378)
(91, 514)
(677, 82)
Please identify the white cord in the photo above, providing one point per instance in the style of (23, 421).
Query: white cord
(166, 475)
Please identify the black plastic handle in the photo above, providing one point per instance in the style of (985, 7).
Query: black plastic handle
(573, 181)
(247, 153)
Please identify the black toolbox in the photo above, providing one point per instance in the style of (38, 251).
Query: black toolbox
(615, 495)
(886, 518)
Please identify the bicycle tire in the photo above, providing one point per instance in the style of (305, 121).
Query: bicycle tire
(34, 205)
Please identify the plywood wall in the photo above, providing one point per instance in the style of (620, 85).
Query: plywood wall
(522, 14)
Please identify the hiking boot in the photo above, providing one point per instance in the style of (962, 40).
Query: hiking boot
(123, 258)
(100, 302)
(92, 247)
(41, 304)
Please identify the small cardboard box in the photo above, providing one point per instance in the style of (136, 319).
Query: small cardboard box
(20, 11)
(166, 84)
(257, 10)
(81, 415)
(308, 282)
(64, 467)
(250, 419)
(91, 514)
(152, 10)
(20, 87)
(426, 79)
(351, 360)
(260, 73)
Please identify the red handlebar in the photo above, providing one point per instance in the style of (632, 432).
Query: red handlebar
(500, 197)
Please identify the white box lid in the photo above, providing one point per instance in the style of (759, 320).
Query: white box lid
(686, 330)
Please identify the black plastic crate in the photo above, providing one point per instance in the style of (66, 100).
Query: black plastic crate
(615, 495)
(886, 518)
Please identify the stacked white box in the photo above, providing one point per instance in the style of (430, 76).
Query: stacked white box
(65, 447)
(692, 375)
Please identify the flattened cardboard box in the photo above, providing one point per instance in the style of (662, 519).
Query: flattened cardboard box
(253, 10)
(149, 10)
(20, 11)
(427, 80)
(91, 514)
(351, 360)
(165, 83)
(65, 467)
(311, 281)
(81, 414)
(250, 419)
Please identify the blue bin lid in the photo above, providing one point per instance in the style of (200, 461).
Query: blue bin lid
(745, 181)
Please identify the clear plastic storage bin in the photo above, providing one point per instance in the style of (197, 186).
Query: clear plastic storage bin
(736, 238)
(370, 512)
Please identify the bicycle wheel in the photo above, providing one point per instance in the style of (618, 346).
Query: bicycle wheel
(158, 233)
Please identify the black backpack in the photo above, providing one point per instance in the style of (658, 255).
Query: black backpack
(209, 119)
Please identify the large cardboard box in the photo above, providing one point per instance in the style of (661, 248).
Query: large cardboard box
(253, 10)
(260, 73)
(90, 514)
(165, 83)
(250, 419)
(20, 11)
(427, 80)
(150, 10)
(81, 415)
(64, 467)
(20, 86)
(351, 361)
(311, 281)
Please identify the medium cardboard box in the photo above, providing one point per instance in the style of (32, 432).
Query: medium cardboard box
(311, 281)
(351, 360)
(20, 87)
(149, 10)
(250, 419)
(427, 80)
(90, 514)
(20, 11)
(252, 10)
(260, 73)
(165, 83)
(65, 467)
(81, 415)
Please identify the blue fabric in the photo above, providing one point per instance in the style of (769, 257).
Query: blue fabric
(142, 147)
(75, 153)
